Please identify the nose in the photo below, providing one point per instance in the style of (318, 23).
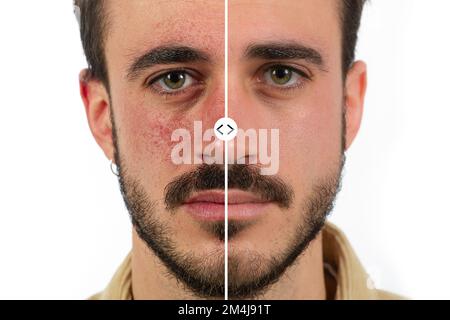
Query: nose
(243, 149)
(207, 148)
(244, 111)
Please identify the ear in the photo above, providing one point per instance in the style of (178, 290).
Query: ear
(96, 103)
(355, 91)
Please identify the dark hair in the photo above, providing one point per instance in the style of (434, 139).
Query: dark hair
(93, 25)
(351, 12)
(94, 22)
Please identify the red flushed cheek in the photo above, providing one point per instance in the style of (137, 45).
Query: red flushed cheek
(150, 134)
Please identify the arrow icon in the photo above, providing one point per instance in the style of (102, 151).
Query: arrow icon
(218, 129)
(221, 131)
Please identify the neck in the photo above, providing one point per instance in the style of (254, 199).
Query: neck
(151, 280)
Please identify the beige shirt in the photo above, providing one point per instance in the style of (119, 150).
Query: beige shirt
(345, 277)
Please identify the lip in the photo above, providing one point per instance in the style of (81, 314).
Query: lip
(210, 205)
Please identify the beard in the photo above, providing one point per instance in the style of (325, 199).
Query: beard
(250, 274)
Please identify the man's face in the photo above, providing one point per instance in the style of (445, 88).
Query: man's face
(284, 73)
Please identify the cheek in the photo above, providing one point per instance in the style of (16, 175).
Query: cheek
(146, 134)
(310, 140)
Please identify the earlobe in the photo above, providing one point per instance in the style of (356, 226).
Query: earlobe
(355, 91)
(96, 103)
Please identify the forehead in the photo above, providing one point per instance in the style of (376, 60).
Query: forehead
(311, 21)
(136, 25)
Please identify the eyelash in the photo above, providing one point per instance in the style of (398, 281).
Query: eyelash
(150, 82)
(300, 73)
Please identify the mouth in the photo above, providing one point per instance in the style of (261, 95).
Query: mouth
(210, 205)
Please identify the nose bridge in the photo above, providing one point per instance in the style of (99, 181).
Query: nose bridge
(242, 107)
(244, 111)
(213, 107)
(211, 110)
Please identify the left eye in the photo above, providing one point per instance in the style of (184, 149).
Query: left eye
(173, 81)
(281, 76)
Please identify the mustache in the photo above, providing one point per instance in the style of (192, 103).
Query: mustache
(240, 176)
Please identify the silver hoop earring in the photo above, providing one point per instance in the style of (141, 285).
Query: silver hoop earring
(114, 168)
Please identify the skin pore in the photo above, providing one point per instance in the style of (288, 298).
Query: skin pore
(174, 255)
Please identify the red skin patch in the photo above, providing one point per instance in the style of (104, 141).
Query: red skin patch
(152, 132)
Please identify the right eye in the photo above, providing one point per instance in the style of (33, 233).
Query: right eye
(173, 81)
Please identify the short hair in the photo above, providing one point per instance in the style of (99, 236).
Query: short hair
(351, 12)
(94, 22)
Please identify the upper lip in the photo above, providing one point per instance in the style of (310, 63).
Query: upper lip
(218, 196)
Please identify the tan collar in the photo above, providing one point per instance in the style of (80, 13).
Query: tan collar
(352, 281)
(119, 288)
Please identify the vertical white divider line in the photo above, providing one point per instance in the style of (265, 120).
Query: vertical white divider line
(226, 153)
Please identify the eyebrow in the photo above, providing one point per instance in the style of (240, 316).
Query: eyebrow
(283, 51)
(165, 55)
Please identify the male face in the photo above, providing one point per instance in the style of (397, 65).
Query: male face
(165, 61)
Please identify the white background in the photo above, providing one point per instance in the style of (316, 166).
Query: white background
(64, 228)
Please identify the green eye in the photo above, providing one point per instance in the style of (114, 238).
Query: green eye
(174, 80)
(280, 75)
(284, 77)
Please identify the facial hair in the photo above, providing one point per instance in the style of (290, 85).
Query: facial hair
(204, 275)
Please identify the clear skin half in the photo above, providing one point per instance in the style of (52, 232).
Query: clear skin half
(308, 115)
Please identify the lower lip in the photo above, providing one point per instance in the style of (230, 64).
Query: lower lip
(212, 211)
